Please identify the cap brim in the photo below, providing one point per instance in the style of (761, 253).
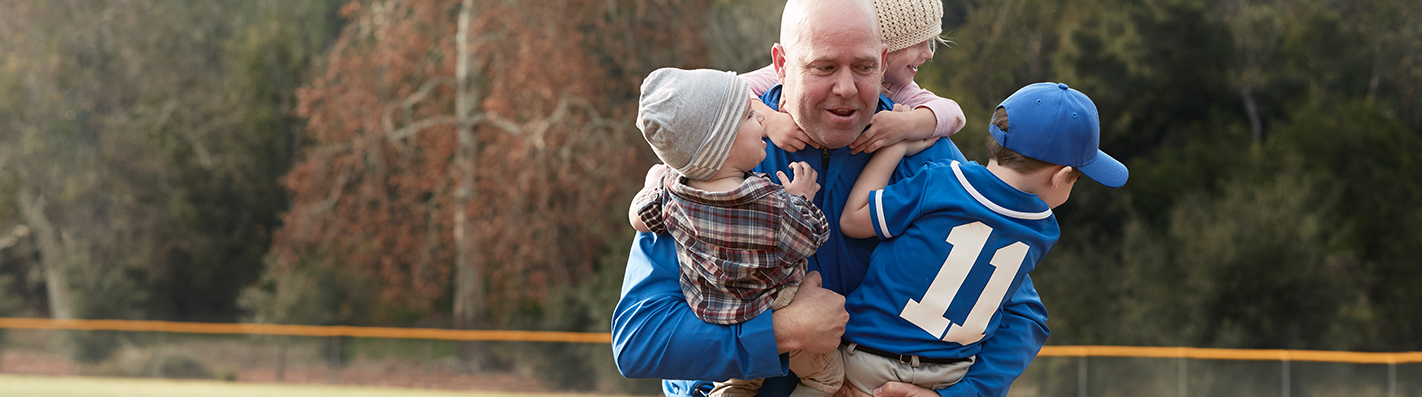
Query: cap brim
(1106, 170)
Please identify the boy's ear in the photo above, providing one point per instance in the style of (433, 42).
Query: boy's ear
(777, 56)
(1062, 176)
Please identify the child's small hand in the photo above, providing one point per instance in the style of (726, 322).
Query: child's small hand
(902, 124)
(804, 184)
(887, 128)
(654, 175)
(786, 135)
(916, 146)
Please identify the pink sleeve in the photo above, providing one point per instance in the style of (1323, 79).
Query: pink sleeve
(949, 114)
(762, 79)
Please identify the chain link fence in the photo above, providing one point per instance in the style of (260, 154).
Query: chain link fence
(538, 363)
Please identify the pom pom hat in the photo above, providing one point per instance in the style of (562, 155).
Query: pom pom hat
(903, 23)
(690, 117)
(1059, 125)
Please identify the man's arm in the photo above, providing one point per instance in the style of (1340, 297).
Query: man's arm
(656, 335)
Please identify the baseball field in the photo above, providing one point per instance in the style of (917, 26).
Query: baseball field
(62, 386)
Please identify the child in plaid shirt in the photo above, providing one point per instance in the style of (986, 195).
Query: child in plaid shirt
(742, 240)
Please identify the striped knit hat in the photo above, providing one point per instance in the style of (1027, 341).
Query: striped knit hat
(903, 23)
(690, 117)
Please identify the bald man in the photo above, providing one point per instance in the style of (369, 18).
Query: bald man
(830, 64)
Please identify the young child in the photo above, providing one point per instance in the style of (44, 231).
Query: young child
(741, 239)
(912, 30)
(960, 238)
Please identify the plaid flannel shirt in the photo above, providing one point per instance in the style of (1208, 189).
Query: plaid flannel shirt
(737, 249)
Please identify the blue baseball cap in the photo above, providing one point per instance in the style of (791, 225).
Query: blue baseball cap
(1059, 125)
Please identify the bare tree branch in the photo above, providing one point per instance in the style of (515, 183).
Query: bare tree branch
(410, 101)
(51, 253)
(16, 233)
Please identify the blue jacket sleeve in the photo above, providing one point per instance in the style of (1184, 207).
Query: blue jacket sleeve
(1007, 353)
(656, 335)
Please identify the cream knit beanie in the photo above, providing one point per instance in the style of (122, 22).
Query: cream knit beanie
(903, 23)
(690, 117)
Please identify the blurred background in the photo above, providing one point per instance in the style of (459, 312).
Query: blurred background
(329, 162)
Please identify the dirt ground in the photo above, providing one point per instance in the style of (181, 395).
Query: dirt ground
(388, 373)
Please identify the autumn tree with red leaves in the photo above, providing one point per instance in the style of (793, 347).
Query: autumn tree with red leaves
(468, 153)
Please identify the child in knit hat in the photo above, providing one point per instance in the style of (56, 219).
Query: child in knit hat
(912, 30)
(741, 239)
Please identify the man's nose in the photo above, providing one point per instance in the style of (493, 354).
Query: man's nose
(844, 84)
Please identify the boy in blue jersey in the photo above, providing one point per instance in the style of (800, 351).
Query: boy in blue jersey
(959, 237)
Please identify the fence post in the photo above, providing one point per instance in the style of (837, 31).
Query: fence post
(1391, 379)
(333, 357)
(1081, 377)
(1286, 377)
(1184, 374)
(281, 357)
(158, 357)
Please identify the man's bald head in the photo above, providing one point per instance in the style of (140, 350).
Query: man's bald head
(803, 18)
(830, 60)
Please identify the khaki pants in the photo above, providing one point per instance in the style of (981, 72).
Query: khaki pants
(821, 375)
(867, 371)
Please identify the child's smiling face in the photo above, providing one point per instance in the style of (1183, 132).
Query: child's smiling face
(903, 64)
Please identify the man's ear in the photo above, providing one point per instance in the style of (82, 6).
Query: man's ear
(1062, 176)
(777, 57)
(883, 61)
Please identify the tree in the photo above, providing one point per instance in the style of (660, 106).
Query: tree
(477, 141)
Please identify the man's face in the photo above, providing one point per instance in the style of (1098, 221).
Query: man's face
(831, 79)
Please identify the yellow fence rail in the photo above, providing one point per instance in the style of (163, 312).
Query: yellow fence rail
(603, 337)
(1201, 353)
(305, 330)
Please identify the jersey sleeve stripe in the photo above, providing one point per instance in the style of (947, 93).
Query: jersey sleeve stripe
(993, 206)
(879, 213)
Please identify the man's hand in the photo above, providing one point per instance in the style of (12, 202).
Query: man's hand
(900, 389)
(804, 183)
(814, 320)
(786, 135)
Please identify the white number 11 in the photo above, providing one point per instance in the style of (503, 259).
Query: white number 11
(930, 313)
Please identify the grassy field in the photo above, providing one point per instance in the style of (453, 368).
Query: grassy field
(67, 386)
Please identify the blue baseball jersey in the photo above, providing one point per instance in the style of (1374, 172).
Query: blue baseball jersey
(958, 242)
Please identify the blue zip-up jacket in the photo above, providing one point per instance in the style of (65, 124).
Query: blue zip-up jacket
(655, 334)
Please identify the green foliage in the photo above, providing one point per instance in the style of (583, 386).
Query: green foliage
(1297, 237)
(228, 192)
(310, 294)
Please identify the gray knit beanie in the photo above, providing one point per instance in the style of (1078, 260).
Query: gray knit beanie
(691, 116)
(903, 23)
